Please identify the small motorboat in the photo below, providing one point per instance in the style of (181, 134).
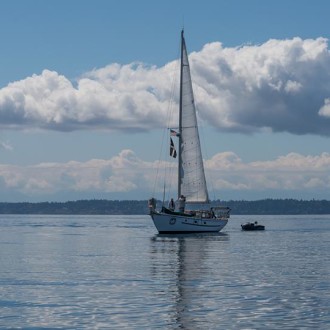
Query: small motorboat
(252, 226)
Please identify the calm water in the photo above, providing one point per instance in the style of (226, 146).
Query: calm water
(110, 272)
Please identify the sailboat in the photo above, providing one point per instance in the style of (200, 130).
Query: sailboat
(192, 212)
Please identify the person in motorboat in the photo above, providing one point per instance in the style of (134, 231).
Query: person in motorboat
(252, 226)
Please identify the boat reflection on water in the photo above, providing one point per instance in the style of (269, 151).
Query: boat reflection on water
(182, 262)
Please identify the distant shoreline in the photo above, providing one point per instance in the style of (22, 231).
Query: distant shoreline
(135, 207)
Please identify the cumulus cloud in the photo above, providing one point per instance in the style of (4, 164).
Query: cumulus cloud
(115, 97)
(5, 145)
(282, 85)
(118, 174)
(290, 172)
(325, 109)
(128, 176)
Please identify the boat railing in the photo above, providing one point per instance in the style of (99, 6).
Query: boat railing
(218, 212)
(222, 212)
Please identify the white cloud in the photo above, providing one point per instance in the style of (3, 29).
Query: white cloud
(292, 86)
(6, 145)
(115, 97)
(282, 85)
(290, 172)
(128, 176)
(325, 109)
(118, 174)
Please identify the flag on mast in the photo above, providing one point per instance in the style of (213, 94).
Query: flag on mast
(172, 149)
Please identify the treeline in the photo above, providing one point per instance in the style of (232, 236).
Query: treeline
(133, 207)
(280, 206)
(81, 207)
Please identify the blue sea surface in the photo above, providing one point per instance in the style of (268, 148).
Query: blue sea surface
(116, 272)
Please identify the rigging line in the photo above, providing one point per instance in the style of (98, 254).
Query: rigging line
(163, 201)
(168, 119)
(169, 178)
(158, 165)
(174, 84)
(173, 88)
(169, 168)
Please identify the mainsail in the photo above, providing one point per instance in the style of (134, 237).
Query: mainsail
(191, 183)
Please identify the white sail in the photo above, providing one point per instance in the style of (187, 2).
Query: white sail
(192, 183)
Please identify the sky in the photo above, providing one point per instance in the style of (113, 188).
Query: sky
(85, 87)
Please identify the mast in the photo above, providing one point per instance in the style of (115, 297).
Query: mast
(180, 119)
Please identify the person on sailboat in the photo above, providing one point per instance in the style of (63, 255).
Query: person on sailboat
(152, 204)
(171, 205)
(182, 203)
(212, 213)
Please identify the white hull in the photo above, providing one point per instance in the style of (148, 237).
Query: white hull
(169, 223)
